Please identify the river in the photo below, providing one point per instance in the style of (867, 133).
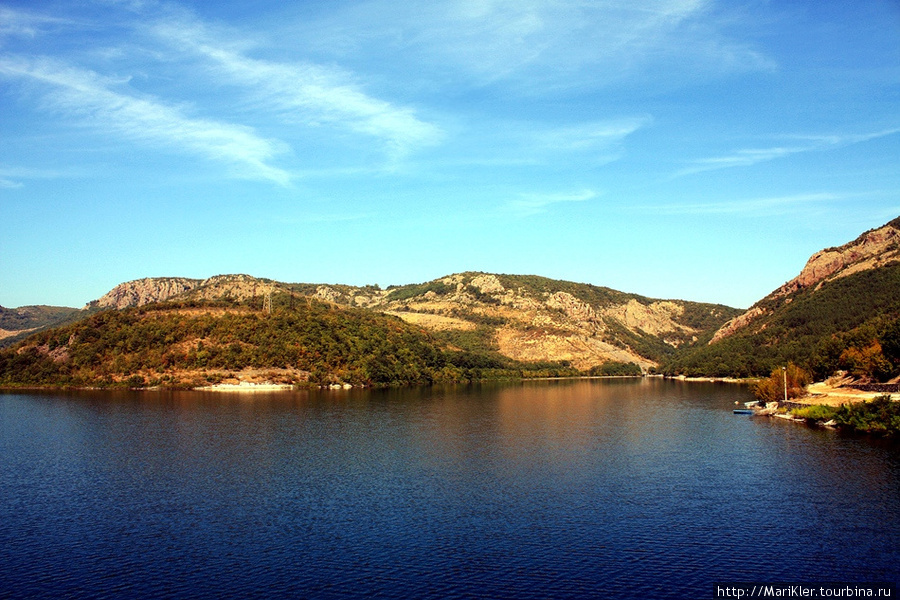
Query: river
(539, 489)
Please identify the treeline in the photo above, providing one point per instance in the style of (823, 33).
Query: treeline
(851, 323)
(879, 417)
(170, 343)
(616, 369)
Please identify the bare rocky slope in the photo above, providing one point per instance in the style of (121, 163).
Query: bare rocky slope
(874, 249)
(526, 318)
(841, 313)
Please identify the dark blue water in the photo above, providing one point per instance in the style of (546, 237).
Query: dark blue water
(577, 489)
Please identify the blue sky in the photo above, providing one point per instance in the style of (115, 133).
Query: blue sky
(693, 149)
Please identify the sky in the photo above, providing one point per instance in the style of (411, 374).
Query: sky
(686, 149)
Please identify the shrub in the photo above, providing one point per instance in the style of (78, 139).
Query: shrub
(816, 412)
(879, 416)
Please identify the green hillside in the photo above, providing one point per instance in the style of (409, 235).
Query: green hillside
(181, 344)
(28, 319)
(851, 323)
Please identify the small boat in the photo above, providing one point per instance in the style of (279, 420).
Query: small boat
(743, 411)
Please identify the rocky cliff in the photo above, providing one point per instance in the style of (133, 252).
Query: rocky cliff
(533, 318)
(144, 291)
(874, 249)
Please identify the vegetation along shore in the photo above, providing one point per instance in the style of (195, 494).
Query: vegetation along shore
(840, 315)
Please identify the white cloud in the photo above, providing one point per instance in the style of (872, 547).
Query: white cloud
(588, 136)
(91, 99)
(527, 205)
(303, 92)
(520, 144)
(9, 184)
(544, 45)
(26, 24)
(10, 176)
(808, 143)
(755, 206)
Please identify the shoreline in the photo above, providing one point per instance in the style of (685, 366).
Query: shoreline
(822, 394)
(244, 386)
(738, 380)
(268, 386)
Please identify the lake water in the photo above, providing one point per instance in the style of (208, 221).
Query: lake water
(566, 489)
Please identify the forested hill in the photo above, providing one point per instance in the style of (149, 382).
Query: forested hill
(525, 318)
(464, 326)
(16, 323)
(841, 312)
(186, 344)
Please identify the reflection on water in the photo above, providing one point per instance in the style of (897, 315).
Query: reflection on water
(539, 489)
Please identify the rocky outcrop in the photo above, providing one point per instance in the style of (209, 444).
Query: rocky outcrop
(873, 249)
(238, 287)
(571, 306)
(738, 323)
(327, 294)
(581, 351)
(487, 284)
(144, 291)
(656, 318)
(158, 289)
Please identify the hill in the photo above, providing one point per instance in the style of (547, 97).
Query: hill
(184, 332)
(196, 342)
(17, 323)
(841, 312)
(524, 318)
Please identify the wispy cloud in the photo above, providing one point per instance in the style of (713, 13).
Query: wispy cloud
(527, 205)
(303, 92)
(15, 22)
(533, 143)
(545, 45)
(588, 136)
(808, 143)
(767, 206)
(9, 184)
(12, 177)
(93, 99)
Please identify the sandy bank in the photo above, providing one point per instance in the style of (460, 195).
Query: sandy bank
(744, 381)
(822, 393)
(246, 386)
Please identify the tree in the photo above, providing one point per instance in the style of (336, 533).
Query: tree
(868, 362)
(772, 388)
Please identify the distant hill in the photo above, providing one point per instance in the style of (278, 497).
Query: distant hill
(840, 312)
(197, 342)
(180, 331)
(525, 318)
(17, 323)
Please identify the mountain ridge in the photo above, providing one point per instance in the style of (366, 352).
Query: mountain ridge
(530, 318)
(873, 249)
(524, 318)
(841, 313)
